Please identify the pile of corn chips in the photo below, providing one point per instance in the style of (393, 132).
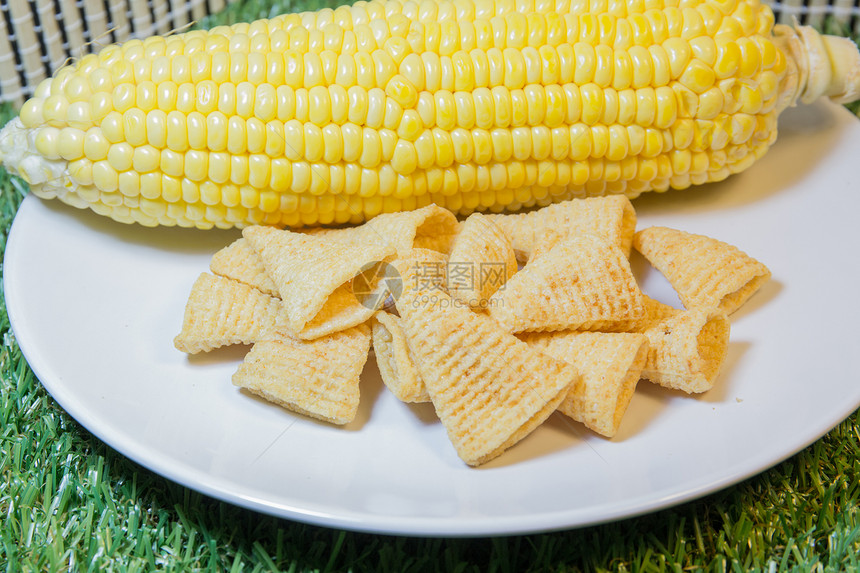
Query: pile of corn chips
(498, 320)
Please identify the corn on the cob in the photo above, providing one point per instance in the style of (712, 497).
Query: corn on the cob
(338, 115)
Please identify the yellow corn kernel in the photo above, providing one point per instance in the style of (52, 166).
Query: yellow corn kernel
(120, 156)
(622, 74)
(384, 67)
(371, 149)
(566, 59)
(196, 165)
(105, 177)
(392, 115)
(604, 66)
(592, 103)
(572, 103)
(96, 145)
(47, 142)
(521, 138)
(618, 143)
(585, 63)
(313, 143)
(172, 163)
(666, 111)
(462, 145)
(502, 144)
(112, 127)
(560, 138)
(661, 65)
(177, 131)
(750, 58)
(710, 103)
(519, 108)
(501, 106)
(580, 142)
(128, 184)
(515, 72)
(145, 159)
(405, 159)
(70, 143)
(376, 103)
(464, 110)
(698, 76)
(610, 107)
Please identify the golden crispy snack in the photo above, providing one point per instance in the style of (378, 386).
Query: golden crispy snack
(317, 378)
(430, 227)
(609, 365)
(398, 370)
(704, 271)
(612, 218)
(241, 262)
(344, 309)
(307, 270)
(481, 261)
(582, 283)
(222, 311)
(489, 389)
(686, 348)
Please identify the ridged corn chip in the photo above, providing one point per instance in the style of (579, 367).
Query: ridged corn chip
(704, 271)
(583, 282)
(241, 262)
(609, 365)
(686, 349)
(481, 261)
(430, 227)
(222, 311)
(318, 378)
(306, 270)
(396, 366)
(489, 389)
(612, 218)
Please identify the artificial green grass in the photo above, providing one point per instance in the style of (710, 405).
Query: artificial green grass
(69, 502)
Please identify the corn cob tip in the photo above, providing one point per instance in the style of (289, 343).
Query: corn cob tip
(825, 66)
(47, 178)
(844, 59)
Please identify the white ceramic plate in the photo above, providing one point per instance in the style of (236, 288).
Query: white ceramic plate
(95, 306)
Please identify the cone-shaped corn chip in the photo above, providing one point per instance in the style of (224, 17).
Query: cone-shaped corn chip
(222, 311)
(612, 218)
(430, 227)
(344, 309)
(317, 378)
(704, 271)
(687, 348)
(481, 261)
(241, 262)
(396, 366)
(582, 283)
(306, 270)
(489, 389)
(655, 311)
(437, 237)
(609, 365)
(546, 241)
(419, 268)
